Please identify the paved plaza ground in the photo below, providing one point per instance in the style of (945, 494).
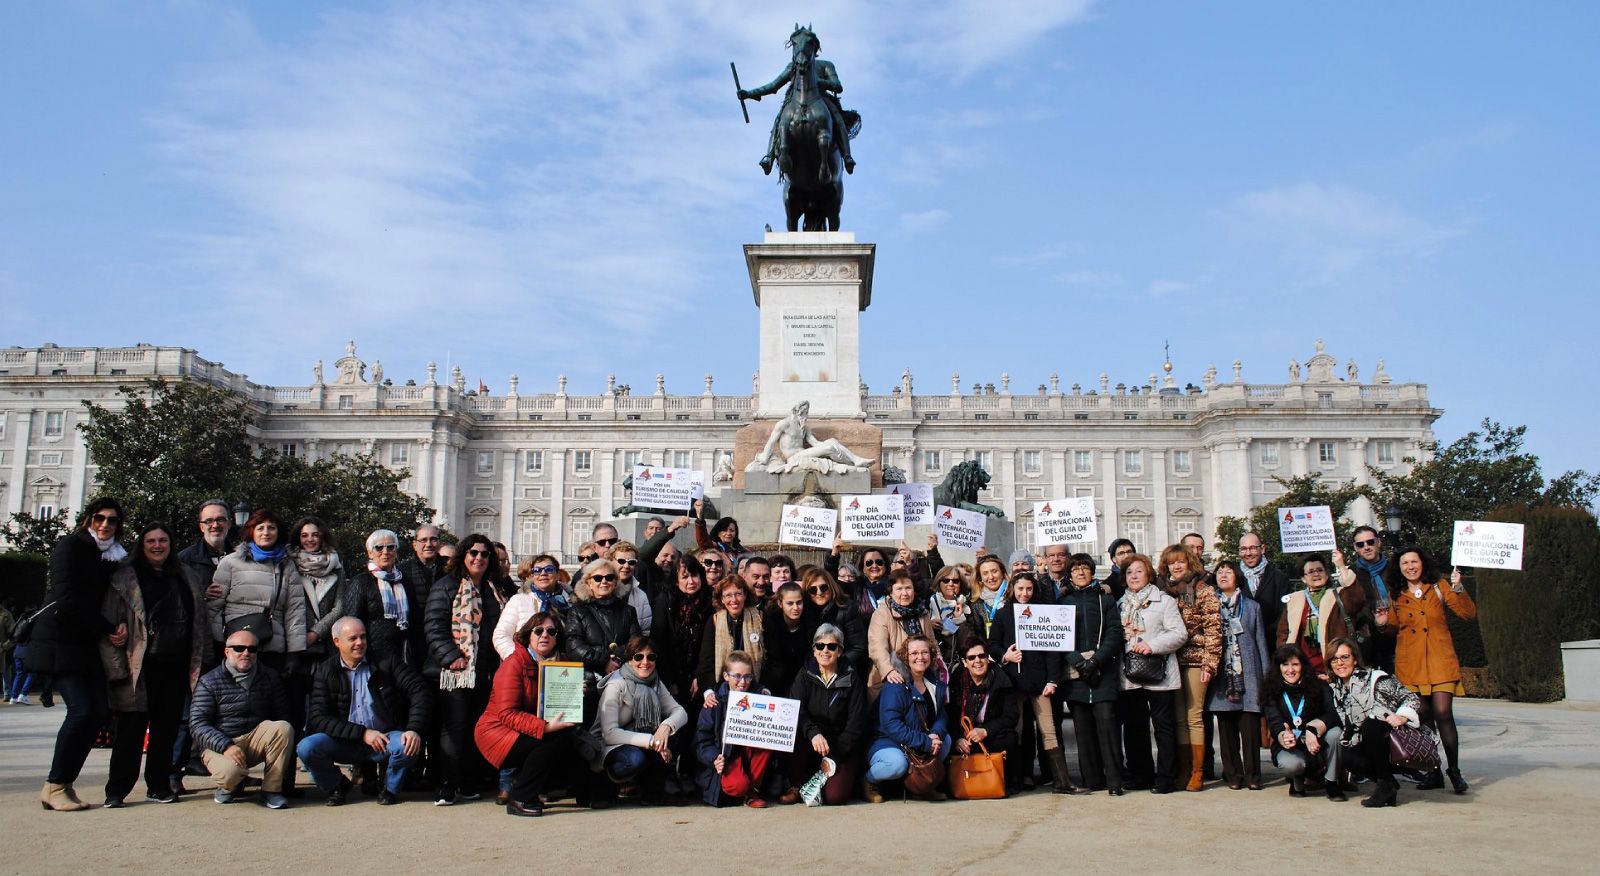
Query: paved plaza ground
(1534, 808)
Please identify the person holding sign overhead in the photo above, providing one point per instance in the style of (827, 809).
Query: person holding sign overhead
(1317, 615)
(896, 619)
(1152, 627)
(1033, 674)
(514, 732)
(1424, 652)
(729, 774)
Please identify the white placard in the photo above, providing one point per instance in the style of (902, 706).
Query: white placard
(1046, 627)
(807, 527)
(1306, 529)
(756, 721)
(919, 501)
(698, 477)
(959, 529)
(872, 518)
(1065, 521)
(658, 487)
(1486, 545)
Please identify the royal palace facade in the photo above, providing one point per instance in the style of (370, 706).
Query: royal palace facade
(536, 469)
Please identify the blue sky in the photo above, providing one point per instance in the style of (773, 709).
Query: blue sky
(1053, 187)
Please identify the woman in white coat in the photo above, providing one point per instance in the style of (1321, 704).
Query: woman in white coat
(1153, 631)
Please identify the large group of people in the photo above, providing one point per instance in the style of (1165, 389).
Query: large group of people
(420, 672)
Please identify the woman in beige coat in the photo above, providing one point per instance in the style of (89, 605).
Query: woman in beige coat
(897, 618)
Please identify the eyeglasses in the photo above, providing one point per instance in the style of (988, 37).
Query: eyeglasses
(603, 579)
(739, 676)
(543, 631)
(545, 570)
(1366, 542)
(106, 518)
(628, 563)
(975, 658)
(643, 657)
(476, 553)
(605, 542)
(870, 563)
(214, 521)
(820, 590)
(1341, 658)
(385, 547)
(828, 647)
(244, 649)
(1315, 573)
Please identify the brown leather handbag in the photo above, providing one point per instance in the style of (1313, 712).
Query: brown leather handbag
(978, 775)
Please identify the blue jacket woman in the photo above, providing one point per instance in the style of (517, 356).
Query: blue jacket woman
(910, 717)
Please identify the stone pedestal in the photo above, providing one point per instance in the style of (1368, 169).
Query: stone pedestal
(811, 288)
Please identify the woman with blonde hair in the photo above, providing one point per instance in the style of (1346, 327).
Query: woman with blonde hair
(1182, 576)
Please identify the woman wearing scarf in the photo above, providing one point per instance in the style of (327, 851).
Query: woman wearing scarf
(600, 621)
(1093, 668)
(1312, 618)
(1305, 731)
(678, 623)
(833, 719)
(161, 603)
(1151, 624)
(1235, 690)
(1370, 703)
(322, 579)
(988, 592)
(723, 538)
(66, 638)
(380, 597)
(734, 627)
(638, 717)
(1184, 578)
(896, 619)
(1034, 674)
(952, 616)
(832, 606)
(985, 695)
(1424, 653)
(512, 735)
(259, 579)
(463, 608)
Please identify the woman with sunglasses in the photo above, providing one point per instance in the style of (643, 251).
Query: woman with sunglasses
(734, 627)
(259, 578)
(834, 721)
(947, 606)
(463, 609)
(1371, 703)
(897, 618)
(66, 640)
(1424, 652)
(625, 556)
(528, 601)
(1034, 674)
(678, 624)
(380, 597)
(638, 717)
(600, 622)
(1305, 731)
(512, 734)
(1093, 668)
(716, 567)
(788, 625)
(730, 774)
(162, 605)
(988, 591)
(911, 717)
(983, 694)
(832, 606)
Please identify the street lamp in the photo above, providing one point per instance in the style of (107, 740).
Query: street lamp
(1392, 521)
(241, 512)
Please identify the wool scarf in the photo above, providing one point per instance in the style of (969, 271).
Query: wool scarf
(639, 694)
(110, 550)
(1132, 604)
(1232, 652)
(319, 573)
(391, 589)
(1252, 577)
(909, 617)
(1376, 570)
(466, 616)
(751, 640)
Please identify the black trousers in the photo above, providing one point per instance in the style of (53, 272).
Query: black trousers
(461, 766)
(166, 688)
(1142, 711)
(1239, 737)
(87, 711)
(1370, 756)
(1094, 726)
(541, 764)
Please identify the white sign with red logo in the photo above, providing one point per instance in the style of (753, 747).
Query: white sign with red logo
(919, 501)
(1486, 545)
(675, 488)
(959, 529)
(872, 518)
(1065, 521)
(761, 722)
(1302, 530)
(807, 527)
(1046, 627)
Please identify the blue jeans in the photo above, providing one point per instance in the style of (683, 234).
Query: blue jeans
(886, 765)
(626, 762)
(21, 679)
(323, 754)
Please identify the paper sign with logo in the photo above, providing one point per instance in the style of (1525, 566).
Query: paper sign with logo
(1486, 545)
(1046, 627)
(698, 477)
(657, 487)
(1065, 521)
(959, 529)
(761, 722)
(1306, 529)
(919, 501)
(872, 518)
(807, 527)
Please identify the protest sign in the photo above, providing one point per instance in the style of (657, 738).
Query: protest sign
(958, 528)
(1486, 545)
(1046, 627)
(1064, 521)
(807, 527)
(760, 722)
(919, 501)
(1306, 529)
(698, 491)
(869, 518)
(657, 487)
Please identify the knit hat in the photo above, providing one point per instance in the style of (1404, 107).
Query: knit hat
(1023, 556)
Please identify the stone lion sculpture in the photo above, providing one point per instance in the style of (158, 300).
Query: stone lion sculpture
(960, 487)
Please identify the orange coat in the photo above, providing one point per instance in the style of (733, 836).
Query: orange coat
(1424, 652)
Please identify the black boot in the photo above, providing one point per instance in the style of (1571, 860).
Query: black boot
(1456, 782)
(1335, 793)
(1058, 766)
(1297, 786)
(1433, 782)
(1387, 793)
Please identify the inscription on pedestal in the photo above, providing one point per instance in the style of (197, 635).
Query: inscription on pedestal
(809, 344)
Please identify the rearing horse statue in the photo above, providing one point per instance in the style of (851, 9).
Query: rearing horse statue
(811, 137)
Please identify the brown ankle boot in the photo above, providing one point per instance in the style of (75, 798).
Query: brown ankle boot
(1197, 767)
(54, 796)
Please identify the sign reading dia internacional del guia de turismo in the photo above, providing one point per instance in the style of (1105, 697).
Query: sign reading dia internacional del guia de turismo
(1486, 545)
(809, 341)
(1046, 627)
(872, 518)
(1065, 521)
(807, 527)
(960, 529)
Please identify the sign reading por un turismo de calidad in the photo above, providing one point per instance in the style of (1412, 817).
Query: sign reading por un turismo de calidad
(761, 722)
(1306, 529)
(658, 487)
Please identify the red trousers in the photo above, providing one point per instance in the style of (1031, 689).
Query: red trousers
(745, 767)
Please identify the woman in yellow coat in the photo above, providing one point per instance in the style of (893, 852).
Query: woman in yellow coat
(1425, 654)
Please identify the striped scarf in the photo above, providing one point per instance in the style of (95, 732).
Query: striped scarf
(466, 614)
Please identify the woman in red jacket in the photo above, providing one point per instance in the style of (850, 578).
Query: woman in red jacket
(511, 734)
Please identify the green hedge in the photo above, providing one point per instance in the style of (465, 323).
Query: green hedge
(1526, 615)
(23, 578)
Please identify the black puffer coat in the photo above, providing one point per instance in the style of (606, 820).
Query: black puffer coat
(222, 709)
(1099, 629)
(598, 629)
(837, 710)
(1037, 669)
(993, 705)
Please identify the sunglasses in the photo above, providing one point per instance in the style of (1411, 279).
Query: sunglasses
(480, 553)
(244, 649)
(544, 631)
(975, 658)
(545, 570)
(820, 590)
(711, 564)
(588, 558)
(643, 658)
(106, 518)
(385, 547)
(869, 563)
(605, 542)
(826, 646)
(949, 580)
(628, 563)
(1366, 542)
(603, 579)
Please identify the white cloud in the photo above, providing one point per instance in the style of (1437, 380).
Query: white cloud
(923, 221)
(1099, 279)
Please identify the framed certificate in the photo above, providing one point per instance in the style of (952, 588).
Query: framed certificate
(561, 691)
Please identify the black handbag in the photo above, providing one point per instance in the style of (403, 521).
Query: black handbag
(1144, 669)
(23, 631)
(258, 622)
